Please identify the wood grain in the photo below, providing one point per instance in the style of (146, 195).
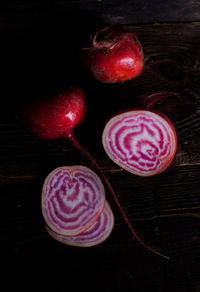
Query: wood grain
(14, 13)
(164, 209)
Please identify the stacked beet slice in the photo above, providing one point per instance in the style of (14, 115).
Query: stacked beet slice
(74, 207)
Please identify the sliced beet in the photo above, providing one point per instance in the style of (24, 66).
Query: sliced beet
(94, 235)
(73, 197)
(142, 142)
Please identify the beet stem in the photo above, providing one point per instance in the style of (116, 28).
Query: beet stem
(149, 101)
(75, 142)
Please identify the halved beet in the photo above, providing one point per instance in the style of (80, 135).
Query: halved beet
(94, 235)
(142, 142)
(73, 197)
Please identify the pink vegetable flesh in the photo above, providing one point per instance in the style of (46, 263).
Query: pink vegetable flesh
(94, 235)
(72, 199)
(142, 142)
(114, 56)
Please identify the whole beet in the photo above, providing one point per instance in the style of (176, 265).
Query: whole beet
(114, 55)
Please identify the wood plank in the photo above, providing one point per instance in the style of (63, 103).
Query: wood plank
(16, 14)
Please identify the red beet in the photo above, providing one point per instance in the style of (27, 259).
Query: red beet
(94, 235)
(73, 197)
(141, 141)
(56, 117)
(114, 56)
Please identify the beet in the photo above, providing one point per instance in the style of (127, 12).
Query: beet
(55, 116)
(114, 55)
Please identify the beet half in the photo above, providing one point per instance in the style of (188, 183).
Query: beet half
(142, 142)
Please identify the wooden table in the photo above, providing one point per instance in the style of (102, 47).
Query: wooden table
(38, 56)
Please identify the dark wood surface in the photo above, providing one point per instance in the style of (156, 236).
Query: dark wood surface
(164, 210)
(16, 13)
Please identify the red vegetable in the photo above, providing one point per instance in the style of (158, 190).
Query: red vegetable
(73, 197)
(56, 116)
(114, 56)
(94, 235)
(141, 141)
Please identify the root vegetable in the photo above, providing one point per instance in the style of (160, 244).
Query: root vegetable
(55, 116)
(115, 55)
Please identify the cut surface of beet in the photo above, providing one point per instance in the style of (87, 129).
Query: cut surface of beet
(94, 235)
(142, 142)
(73, 197)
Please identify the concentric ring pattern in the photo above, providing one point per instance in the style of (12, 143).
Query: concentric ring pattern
(94, 235)
(140, 141)
(73, 197)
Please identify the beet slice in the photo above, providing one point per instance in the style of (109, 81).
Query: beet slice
(142, 142)
(73, 197)
(94, 235)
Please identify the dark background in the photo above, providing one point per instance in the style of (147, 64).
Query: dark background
(38, 54)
